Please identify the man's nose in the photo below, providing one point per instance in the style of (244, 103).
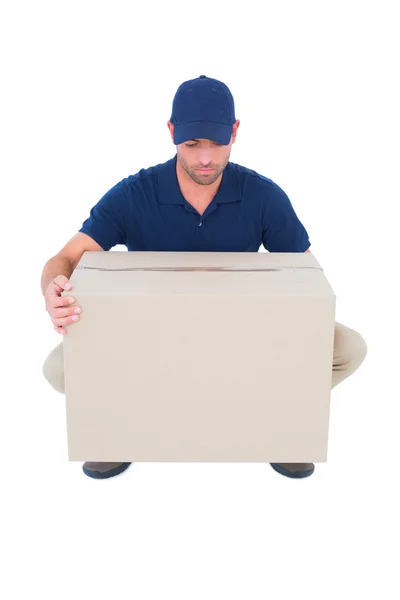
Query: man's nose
(205, 159)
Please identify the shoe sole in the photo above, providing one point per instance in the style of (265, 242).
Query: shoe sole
(293, 474)
(106, 474)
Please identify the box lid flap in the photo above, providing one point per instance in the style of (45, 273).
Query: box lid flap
(161, 273)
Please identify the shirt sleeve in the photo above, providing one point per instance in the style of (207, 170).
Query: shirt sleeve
(282, 229)
(106, 222)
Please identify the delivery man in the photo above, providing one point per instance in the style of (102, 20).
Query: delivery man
(197, 201)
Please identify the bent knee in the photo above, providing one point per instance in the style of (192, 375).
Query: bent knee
(358, 350)
(53, 369)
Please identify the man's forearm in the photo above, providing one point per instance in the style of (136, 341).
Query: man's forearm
(57, 265)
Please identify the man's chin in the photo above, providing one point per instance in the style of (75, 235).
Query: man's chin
(204, 179)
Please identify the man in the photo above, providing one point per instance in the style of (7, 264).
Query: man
(196, 201)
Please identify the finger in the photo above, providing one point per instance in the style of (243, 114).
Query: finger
(60, 330)
(61, 310)
(65, 320)
(58, 313)
(62, 282)
(57, 301)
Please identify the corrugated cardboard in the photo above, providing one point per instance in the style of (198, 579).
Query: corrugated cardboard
(212, 357)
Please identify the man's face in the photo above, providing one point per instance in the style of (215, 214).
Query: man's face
(194, 155)
(197, 154)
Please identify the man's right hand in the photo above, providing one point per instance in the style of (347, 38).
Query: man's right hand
(61, 309)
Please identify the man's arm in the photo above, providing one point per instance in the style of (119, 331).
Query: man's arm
(308, 250)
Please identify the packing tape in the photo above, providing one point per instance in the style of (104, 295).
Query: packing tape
(236, 269)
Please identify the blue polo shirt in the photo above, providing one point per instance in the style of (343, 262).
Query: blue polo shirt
(147, 212)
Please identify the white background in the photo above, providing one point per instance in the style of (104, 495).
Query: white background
(87, 90)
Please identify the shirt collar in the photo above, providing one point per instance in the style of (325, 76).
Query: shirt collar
(170, 193)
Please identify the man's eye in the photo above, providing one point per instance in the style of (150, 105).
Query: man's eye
(192, 145)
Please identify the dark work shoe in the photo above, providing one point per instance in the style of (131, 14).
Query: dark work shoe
(295, 470)
(103, 470)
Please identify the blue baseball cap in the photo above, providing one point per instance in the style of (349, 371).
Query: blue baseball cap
(203, 108)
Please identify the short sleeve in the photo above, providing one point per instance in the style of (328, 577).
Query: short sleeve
(282, 229)
(106, 223)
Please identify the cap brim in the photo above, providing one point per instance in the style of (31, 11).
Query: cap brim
(217, 132)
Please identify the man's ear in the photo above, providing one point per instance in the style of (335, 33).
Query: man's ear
(234, 131)
(171, 129)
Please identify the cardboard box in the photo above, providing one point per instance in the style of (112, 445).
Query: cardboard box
(191, 356)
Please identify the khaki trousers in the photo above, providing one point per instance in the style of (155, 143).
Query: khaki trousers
(350, 351)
